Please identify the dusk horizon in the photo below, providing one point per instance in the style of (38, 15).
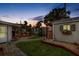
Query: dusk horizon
(39, 29)
(16, 12)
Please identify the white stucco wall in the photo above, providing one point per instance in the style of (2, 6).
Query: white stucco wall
(7, 33)
(73, 38)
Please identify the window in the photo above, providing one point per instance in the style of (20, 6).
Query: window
(66, 27)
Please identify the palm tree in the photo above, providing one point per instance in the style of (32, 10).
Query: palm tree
(38, 24)
(30, 29)
(38, 28)
(56, 14)
(24, 27)
(25, 23)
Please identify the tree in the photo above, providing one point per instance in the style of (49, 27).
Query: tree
(30, 25)
(38, 27)
(38, 24)
(30, 29)
(56, 14)
(25, 23)
(24, 27)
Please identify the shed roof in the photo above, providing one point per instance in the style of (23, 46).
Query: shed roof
(67, 20)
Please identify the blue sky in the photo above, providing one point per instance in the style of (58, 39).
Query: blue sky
(26, 10)
(15, 12)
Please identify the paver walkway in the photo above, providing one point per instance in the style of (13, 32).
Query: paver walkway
(10, 50)
(68, 46)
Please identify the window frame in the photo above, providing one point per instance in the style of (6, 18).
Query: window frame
(65, 27)
(72, 27)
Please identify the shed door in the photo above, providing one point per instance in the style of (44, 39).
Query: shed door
(3, 33)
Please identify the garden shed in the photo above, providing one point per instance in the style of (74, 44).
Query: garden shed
(66, 30)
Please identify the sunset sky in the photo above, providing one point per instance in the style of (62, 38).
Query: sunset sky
(16, 12)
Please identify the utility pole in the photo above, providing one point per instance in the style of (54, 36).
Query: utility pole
(20, 22)
(65, 8)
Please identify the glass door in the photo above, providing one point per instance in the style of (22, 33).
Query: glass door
(3, 33)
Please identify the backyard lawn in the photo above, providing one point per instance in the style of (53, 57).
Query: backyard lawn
(37, 48)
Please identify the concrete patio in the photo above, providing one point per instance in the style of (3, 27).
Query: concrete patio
(68, 46)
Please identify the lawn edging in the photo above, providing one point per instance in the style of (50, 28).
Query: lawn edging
(60, 47)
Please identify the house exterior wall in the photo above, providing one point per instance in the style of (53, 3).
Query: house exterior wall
(5, 33)
(9, 33)
(73, 38)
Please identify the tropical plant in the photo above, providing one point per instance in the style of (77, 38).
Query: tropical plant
(38, 27)
(30, 29)
(25, 23)
(56, 14)
(38, 24)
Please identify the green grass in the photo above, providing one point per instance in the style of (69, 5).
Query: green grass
(37, 48)
(35, 37)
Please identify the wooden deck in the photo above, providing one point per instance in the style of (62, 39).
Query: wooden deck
(68, 46)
